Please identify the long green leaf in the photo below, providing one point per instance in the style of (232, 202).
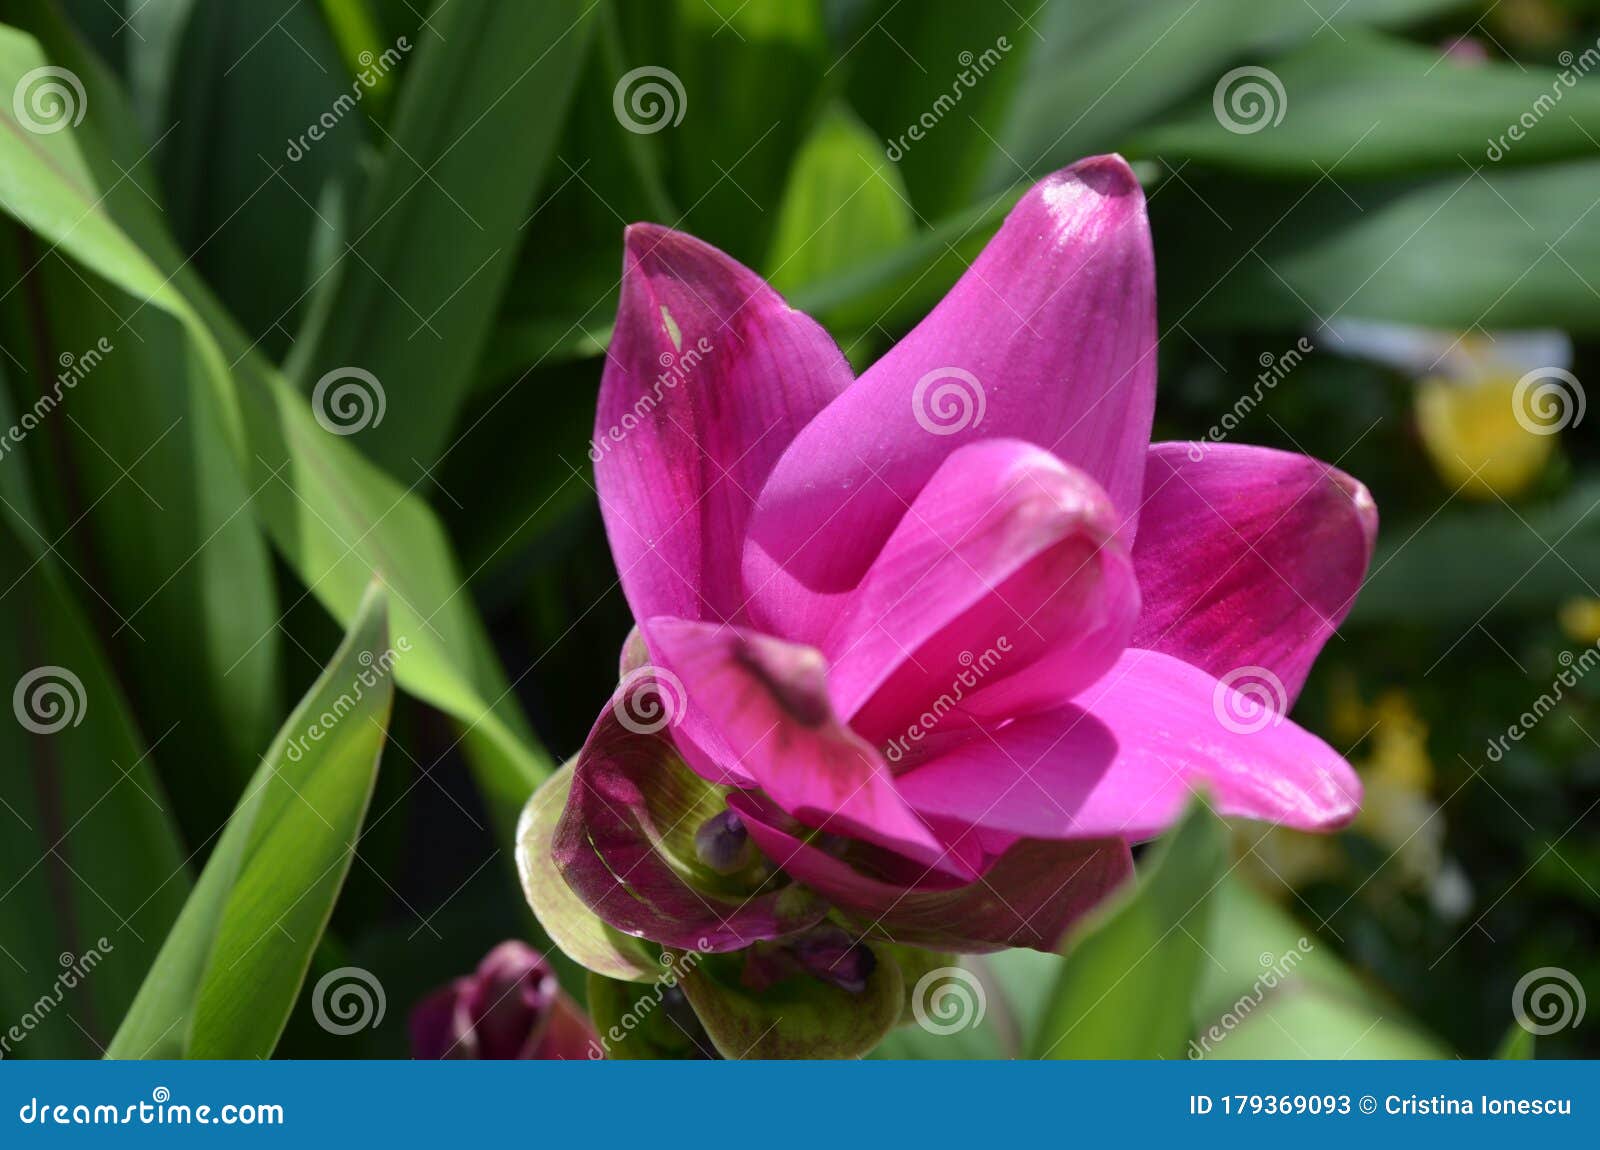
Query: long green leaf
(1501, 248)
(231, 969)
(1130, 977)
(88, 850)
(335, 517)
(1337, 99)
(438, 234)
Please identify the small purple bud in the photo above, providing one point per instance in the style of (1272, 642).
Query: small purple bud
(510, 1007)
(832, 955)
(723, 844)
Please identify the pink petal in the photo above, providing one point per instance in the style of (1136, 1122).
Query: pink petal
(1127, 755)
(1248, 557)
(766, 702)
(708, 377)
(608, 848)
(1049, 337)
(1028, 897)
(1007, 557)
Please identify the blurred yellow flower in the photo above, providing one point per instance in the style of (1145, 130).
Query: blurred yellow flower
(1474, 439)
(1488, 407)
(1580, 620)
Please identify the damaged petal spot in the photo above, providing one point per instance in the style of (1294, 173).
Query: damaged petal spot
(795, 677)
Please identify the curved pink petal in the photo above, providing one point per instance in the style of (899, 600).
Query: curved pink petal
(1126, 756)
(766, 701)
(1007, 557)
(1027, 897)
(1049, 337)
(607, 846)
(1248, 557)
(708, 377)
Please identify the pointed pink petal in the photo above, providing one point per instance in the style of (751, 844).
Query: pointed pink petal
(767, 702)
(1027, 897)
(1129, 753)
(708, 377)
(1248, 557)
(607, 847)
(1007, 557)
(1049, 337)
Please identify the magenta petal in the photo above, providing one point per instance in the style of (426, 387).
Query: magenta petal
(1008, 558)
(1248, 558)
(708, 377)
(1028, 897)
(607, 848)
(767, 700)
(1050, 337)
(1176, 731)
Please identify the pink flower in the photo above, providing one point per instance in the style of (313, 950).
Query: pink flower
(947, 638)
(510, 1007)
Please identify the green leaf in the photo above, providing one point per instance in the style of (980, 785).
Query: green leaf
(1502, 248)
(334, 517)
(1498, 559)
(170, 546)
(244, 183)
(444, 216)
(1274, 989)
(1337, 99)
(1131, 975)
(935, 81)
(231, 969)
(799, 1017)
(844, 206)
(88, 850)
(742, 84)
(1517, 1045)
(1098, 69)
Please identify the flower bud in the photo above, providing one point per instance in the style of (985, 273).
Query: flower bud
(511, 1007)
(723, 844)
